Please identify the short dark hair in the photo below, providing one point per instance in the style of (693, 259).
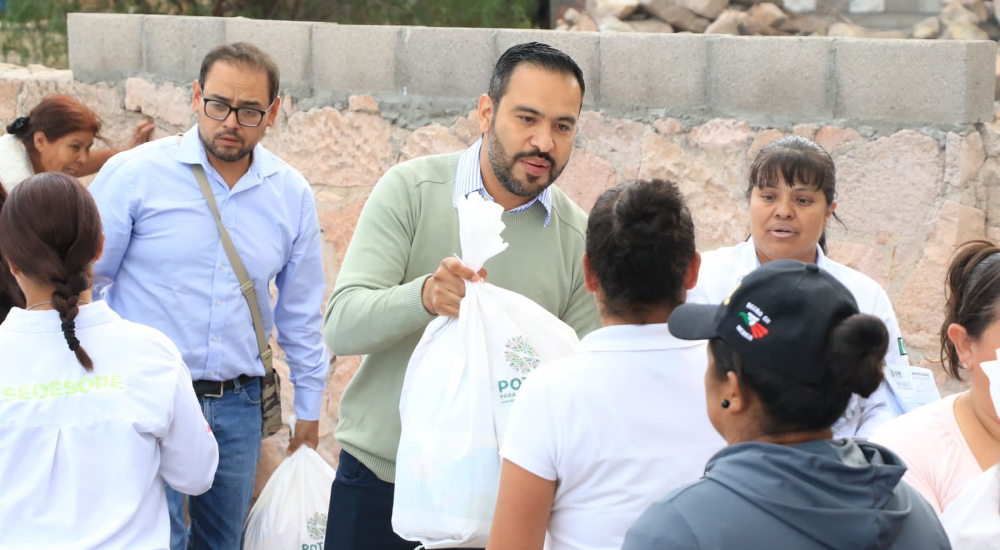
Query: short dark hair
(855, 355)
(535, 53)
(640, 243)
(795, 158)
(246, 55)
(973, 294)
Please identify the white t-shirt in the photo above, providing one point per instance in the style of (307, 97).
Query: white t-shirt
(618, 426)
(722, 269)
(84, 456)
(973, 519)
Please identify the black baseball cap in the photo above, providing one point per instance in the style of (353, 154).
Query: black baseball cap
(778, 318)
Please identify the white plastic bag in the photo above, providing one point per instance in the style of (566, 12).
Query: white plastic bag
(291, 510)
(457, 393)
(973, 519)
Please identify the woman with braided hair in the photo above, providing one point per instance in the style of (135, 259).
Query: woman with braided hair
(85, 452)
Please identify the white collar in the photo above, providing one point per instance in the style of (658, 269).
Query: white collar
(634, 338)
(20, 320)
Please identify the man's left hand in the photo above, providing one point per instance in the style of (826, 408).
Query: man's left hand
(306, 432)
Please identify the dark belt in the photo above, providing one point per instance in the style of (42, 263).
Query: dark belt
(215, 388)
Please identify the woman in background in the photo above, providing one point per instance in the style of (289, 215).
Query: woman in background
(56, 136)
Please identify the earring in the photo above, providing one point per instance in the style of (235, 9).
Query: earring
(725, 403)
(963, 365)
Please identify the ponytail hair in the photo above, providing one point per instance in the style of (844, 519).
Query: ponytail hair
(855, 352)
(55, 116)
(972, 291)
(50, 229)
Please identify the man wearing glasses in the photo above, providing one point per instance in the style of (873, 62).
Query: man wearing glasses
(168, 269)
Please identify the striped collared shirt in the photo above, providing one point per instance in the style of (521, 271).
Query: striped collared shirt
(469, 179)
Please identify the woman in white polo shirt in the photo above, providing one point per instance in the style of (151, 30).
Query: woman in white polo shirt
(791, 191)
(595, 438)
(97, 412)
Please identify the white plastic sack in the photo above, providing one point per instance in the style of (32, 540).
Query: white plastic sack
(457, 393)
(973, 519)
(291, 510)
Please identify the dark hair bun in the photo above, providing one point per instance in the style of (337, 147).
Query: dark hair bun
(856, 352)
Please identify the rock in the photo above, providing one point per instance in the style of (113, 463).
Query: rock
(169, 103)
(768, 14)
(854, 31)
(762, 140)
(715, 201)
(611, 23)
(730, 22)
(346, 138)
(677, 15)
(709, 9)
(920, 306)
(996, 11)
(963, 30)
(586, 176)
(927, 28)
(430, 140)
(9, 90)
(668, 126)
(859, 256)
(845, 30)
(651, 25)
(807, 131)
(620, 9)
(721, 135)
(977, 7)
(467, 128)
(963, 158)
(803, 25)
(571, 16)
(832, 138)
(954, 12)
(587, 24)
(609, 136)
(907, 162)
(990, 133)
(363, 104)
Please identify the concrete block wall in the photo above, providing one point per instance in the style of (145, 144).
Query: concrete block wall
(884, 83)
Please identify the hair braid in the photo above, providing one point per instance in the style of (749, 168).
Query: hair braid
(66, 300)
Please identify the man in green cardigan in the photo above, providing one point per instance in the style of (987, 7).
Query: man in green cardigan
(400, 271)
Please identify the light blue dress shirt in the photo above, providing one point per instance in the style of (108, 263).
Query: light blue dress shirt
(166, 266)
(469, 178)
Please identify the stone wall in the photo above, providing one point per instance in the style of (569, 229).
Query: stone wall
(908, 123)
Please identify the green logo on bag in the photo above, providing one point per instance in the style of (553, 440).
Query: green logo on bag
(520, 355)
(317, 526)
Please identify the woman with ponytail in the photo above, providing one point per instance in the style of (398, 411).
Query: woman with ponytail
(595, 438)
(97, 412)
(56, 136)
(950, 443)
(787, 350)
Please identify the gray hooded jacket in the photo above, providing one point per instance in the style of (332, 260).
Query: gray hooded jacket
(833, 494)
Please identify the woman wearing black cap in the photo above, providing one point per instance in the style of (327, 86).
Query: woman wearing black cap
(786, 351)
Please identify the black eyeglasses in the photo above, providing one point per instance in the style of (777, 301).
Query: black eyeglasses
(246, 116)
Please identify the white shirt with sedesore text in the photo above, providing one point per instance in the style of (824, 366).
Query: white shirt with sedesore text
(84, 456)
(722, 269)
(617, 426)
